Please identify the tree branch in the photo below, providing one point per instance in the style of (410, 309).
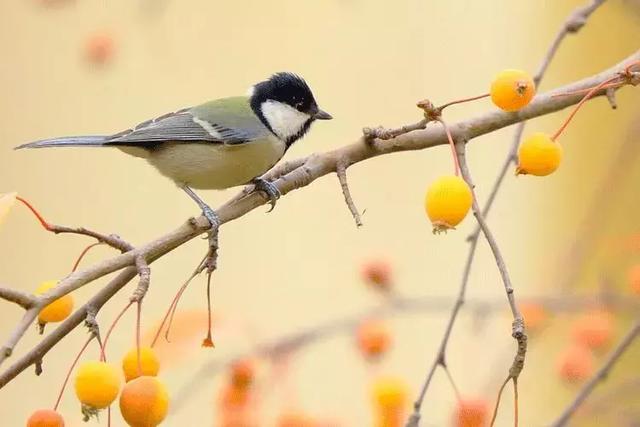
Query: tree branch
(309, 169)
(599, 376)
(23, 299)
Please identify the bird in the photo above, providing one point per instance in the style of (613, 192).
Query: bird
(219, 144)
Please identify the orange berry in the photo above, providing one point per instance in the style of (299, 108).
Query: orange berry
(45, 418)
(295, 419)
(243, 373)
(373, 338)
(594, 329)
(512, 89)
(534, 315)
(149, 363)
(633, 276)
(99, 48)
(378, 274)
(97, 384)
(447, 202)
(471, 413)
(234, 398)
(59, 309)
(144, 402)
(538, 155)
(575, 364)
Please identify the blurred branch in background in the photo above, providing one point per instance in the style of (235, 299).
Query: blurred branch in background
(599, 376)
(394, 306)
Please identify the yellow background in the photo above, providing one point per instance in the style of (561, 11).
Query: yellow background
(368, 62)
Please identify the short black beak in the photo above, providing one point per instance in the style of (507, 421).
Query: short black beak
(322, 115)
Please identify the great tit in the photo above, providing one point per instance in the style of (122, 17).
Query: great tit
(219, 144)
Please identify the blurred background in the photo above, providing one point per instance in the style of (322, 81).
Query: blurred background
(92, 67)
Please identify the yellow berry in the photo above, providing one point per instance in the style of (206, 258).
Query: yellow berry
(447, 202)
(59, 309)
(144, 402)
(97, 384)
(389, 394)
(149, 363)
(538, 155)
(512, 89)
(390, 398)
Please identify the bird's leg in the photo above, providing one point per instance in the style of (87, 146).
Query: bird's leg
(212, 256)
(270, 190)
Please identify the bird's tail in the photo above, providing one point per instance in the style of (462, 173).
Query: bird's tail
(68, 141)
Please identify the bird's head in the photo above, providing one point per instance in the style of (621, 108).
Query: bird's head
(285, 104)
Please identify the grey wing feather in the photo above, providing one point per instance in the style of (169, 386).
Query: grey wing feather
(179, 126)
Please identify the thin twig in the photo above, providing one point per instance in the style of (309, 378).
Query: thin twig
(599, 376)
(112, 240)
(341, 172)
(517, 329)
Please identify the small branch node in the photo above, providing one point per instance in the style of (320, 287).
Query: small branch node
(611, 97)
(91, 322)
(144, 272)
(380, 132)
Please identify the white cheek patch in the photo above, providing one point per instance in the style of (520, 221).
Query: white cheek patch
(285, 120)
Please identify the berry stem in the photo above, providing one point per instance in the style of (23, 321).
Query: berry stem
(208, 341)
(138, 315)
(173, 306)
(33, 210)
(515, 402)
(460, 101)
(83, 253)
(577, 107)
(495, 409)
(103, 355)
(73, 365)
(453, 383)
(583, 91)
(452, 144)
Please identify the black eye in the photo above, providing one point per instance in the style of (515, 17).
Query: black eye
(299, 106)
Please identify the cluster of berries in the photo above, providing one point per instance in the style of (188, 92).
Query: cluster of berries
(144, 400)
(449, 199)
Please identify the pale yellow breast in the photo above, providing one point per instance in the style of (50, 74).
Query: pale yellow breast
(216, 166)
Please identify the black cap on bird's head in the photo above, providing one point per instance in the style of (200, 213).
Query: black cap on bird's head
(285, 104)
